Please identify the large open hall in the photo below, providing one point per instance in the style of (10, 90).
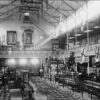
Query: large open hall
(49, 49)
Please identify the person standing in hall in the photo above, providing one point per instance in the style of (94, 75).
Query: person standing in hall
(22, 90)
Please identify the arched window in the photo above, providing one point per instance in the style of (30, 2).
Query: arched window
(28, 36)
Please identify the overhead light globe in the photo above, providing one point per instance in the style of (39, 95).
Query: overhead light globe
(22, 61)
(26, 14)
(11, 62)
(41, 37)
(96, 59)
(34, 61)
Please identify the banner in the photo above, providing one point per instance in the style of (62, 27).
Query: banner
(84, 58)
(78, 59)
(97, 52)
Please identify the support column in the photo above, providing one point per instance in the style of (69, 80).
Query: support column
(67, 38)
(76, 67)
(75, 30)
(88, 69)
(87, 35)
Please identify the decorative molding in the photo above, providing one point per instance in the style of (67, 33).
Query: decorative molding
(25, 54)
(27, 26)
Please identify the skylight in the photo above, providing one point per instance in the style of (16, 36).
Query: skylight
(88, 12)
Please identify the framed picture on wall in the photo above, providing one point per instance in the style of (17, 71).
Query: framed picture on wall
(11, 37)
(27, 36)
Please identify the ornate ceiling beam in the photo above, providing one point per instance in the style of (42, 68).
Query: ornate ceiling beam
(8, 16)
(8, 4)
(40, 16)
(56, 9)
(2, 19)
(68, 5)
(47, 21)
(9, 11)
(51, 16)
(63, 9)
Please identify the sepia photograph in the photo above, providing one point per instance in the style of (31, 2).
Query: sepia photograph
(49, 49)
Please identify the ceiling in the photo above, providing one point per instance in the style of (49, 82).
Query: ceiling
(44, 13)
(51, 10)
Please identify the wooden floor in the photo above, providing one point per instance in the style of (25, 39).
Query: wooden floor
(16, 95)
(85, 96)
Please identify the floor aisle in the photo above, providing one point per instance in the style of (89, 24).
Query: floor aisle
(15, 94)
(39, 96)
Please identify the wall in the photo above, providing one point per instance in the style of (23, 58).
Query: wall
(19, 28)
(47, 46)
